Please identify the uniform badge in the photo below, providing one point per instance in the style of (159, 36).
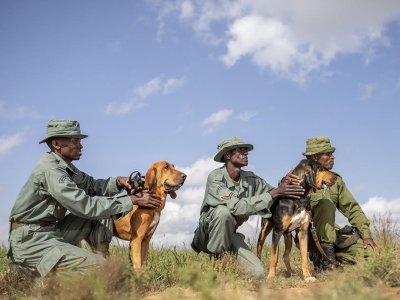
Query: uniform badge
(62, 179)
(228, 197)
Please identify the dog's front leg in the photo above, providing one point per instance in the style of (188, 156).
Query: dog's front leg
(136, 253)
(288, 248)
(273, 262)
(303, 241)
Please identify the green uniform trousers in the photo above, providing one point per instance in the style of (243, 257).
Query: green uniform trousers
(324, 221)
(222, 237)
(52, 247)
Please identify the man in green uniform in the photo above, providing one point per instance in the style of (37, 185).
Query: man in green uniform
(231, 196)
(42, 237)
(323, 205)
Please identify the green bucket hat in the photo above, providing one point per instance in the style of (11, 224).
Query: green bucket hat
(63, 128)
(229, 144)
(318, 144)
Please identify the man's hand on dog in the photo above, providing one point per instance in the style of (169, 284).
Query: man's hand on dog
(287, 191)
(290, 178)
(146, 200)
(123, 182)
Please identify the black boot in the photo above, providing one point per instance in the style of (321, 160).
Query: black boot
(316, 259)
(332, 263)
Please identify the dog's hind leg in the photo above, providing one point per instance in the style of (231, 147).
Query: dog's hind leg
(288, 248)
(273, 262)
(303, 241)
(266, 228)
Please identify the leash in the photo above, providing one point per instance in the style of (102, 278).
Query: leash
(136, 181)
(317, 243)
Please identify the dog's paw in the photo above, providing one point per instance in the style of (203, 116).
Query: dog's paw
(310, 279)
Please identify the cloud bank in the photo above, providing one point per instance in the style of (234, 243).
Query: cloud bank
(290, 38)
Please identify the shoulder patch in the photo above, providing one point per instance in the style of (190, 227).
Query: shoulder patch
(249, 174)
(228, 197)
(63, 178)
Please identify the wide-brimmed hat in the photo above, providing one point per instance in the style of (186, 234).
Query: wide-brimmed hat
(63, 128)
(229, 144)
(318, 144)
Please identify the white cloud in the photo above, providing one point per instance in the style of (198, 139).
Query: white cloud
(17, 112)
(290, 38)
(246, 116)
(186, 10)
(367, 90)
(154, 87)
(216, 119)
(150, 88)
(380, 205)
(7, 143)
(172, 84)
(197, 173)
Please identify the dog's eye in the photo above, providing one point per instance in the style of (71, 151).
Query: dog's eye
(166, 167)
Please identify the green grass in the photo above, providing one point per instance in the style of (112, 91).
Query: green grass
(172, 271)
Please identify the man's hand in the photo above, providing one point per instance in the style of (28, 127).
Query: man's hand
(290, 178)
(371, 243)
(287, 191)
(123, 182)
(146, 200)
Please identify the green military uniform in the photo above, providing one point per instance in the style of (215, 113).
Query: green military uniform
(324, 203)
(226, 206)
(41, 235)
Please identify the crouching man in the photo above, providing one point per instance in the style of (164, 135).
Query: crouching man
(42, 237)
(231, 196)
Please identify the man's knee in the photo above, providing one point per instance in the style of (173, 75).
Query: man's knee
(221, 227)
(223, 215)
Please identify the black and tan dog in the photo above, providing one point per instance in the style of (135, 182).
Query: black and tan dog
(291, 214)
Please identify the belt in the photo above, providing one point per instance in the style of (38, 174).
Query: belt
(15, 225)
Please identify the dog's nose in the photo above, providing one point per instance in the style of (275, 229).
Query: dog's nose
(183, 176)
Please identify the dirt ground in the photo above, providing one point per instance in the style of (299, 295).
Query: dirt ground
(288, 293)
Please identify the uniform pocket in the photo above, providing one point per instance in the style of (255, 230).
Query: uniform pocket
(49, 260)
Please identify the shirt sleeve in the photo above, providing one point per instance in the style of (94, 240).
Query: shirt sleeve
(96, 187)
(349, 207)
(65, 191)
(219, 194)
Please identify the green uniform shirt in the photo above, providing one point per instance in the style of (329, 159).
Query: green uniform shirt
(55, 187)
(251, 197)
(346, 204)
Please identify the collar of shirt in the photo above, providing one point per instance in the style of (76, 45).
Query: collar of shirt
(62, 163)
(229, 182)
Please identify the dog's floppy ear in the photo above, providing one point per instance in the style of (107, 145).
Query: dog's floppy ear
(151, 178)
(172, 194)
(310, 177)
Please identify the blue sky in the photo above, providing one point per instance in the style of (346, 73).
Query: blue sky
(155, 80)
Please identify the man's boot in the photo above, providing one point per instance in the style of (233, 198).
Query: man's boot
(316, 259)
(102, 249)
(332, 263)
